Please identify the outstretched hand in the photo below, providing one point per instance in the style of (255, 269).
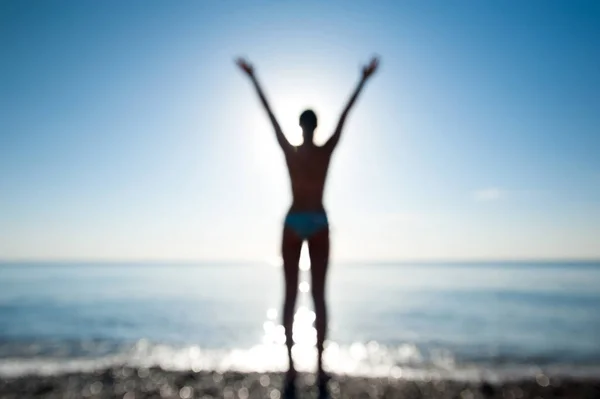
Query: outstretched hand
(245, 66)
(370, 69)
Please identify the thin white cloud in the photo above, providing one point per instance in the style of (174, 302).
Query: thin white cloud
(489, 194)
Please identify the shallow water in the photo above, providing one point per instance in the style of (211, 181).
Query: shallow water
(459, 320)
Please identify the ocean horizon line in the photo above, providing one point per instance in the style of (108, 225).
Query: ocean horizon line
(238, 262)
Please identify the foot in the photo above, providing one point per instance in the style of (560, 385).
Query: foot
(289, 388)
(290, 375)
(323, 379)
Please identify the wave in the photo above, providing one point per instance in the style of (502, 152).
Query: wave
(358, 359)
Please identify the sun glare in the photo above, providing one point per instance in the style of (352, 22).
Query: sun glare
(297, 95)
(290, 110)
(303, 264)
(287, 111)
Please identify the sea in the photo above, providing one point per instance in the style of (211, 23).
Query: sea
(457, 320)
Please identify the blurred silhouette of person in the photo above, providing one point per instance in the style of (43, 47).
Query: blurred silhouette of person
(306, 219)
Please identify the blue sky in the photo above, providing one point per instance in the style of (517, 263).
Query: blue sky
(127, 133)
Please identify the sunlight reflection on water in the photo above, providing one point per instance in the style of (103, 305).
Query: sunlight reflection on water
(270, 355)
(372, 358)
(435, 318)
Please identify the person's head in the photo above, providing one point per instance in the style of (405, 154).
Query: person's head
(308, 122)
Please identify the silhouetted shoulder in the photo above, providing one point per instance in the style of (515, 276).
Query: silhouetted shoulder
(326, 149)
(290, 150)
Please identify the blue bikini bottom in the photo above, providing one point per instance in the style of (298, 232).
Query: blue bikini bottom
(306, 224)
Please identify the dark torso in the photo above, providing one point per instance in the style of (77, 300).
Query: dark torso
(307, 167)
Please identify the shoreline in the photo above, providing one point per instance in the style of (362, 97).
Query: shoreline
(135, 383)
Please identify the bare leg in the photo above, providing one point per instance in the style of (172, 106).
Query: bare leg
(318, 247)
(290, 249)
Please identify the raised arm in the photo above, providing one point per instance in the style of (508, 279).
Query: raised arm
(366, 74)
(249, 70)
